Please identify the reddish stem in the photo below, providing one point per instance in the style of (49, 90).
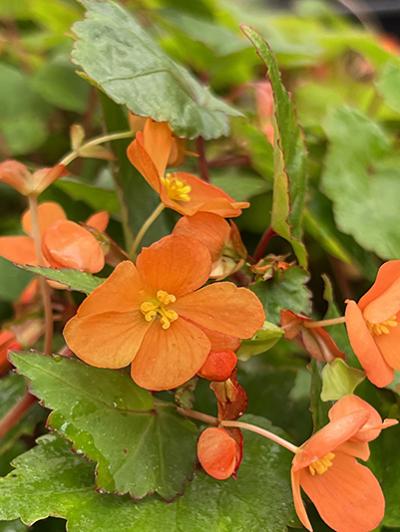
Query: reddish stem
(260, 250)
(203, 165)
(14, 415)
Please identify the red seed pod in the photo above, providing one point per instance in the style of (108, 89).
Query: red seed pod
(218, 366)
(218, 452)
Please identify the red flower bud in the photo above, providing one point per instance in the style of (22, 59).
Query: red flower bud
(218, 366)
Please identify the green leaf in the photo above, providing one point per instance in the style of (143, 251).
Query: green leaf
(286, 290)
(240, 185)
(339, 379)
(140, 447)
(12, 280)
(96, 197)
(50, 480)
(388, 84)
(72, 279)
(262, 341)
(289, 157)
(360, 165)
(121, 58)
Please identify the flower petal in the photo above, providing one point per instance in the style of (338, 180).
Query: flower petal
(365, 348)
(347, 496)
(225, 308)
(106, 340)
(217, 453)
(175, 264)
(388, 273)
(44, 177)
(220, 342)
(48, 214)
(385, 306)
(19, 249)
(326, 440)
(298, 501)
(210, 229)
(169, 358)
(68, 245)
(16, 175)
(157, 141)
(141, 160)
(358, 449)
(99, 220)
(388, 345)
(204, 197)
(121, 292)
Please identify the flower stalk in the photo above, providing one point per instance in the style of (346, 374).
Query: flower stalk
(145, 227)
(324, 323)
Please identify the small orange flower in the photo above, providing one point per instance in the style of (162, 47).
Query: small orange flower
(316, 341)
(154, 316)
(346, 494)
(18, 176)
(219, 453)
(65, 244)
(373, 325)
(183, 192)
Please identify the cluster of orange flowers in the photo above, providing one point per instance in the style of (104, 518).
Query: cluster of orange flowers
(161, 316)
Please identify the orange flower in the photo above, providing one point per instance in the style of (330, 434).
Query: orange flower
(218, 365)
(154, 315)
(373, 325)
(65, 244)
(346, 494)
(219, 453)
(316, 341)
(18, 176)
(183, 192)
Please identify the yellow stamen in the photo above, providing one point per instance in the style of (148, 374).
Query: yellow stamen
(321, 466)
(157, 307)
(383, 327)
(176, 188)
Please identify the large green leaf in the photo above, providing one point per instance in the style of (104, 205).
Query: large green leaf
(140, 447)
(50, 480)
(97, 197)
(290, 179)
(388, 84)
(12, 280)
(73, 279)
(128, 65)
(362, 178)
(286, 290)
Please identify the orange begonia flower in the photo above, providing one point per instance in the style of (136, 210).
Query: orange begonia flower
(316, 341)
(65, 244)
(18, 176)
(218, 365)
(219, 453)
(373, 325)
(346, 494)
(155, 316)
(180, 191)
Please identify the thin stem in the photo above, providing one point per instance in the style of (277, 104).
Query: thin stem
(259, 253)
(143, 230)
(44, 287)
(210, 420)
(14, 415)
(262, 432)
(324, 323)
(94, 142)
(203, 165)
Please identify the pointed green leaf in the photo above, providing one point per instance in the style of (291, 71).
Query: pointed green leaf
(140, 447)
(290, 179)
(262, 341)
(118, 56)
(339, 379)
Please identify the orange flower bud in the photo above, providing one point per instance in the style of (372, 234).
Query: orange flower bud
(18, 176)
(219, 453)
(218, 366)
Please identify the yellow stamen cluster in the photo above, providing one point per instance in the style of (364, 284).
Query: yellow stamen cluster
(176, 189)
(157, 307)
(321, 466)
(384, 327)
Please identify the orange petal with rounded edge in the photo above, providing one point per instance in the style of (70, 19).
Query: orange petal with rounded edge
(218, 366)
(44, 177)
(157, 141)
(225, 308)
(19, 249)
(204, 197)
(365, 348)
(217, 453)
(48, 214)
(106, 340)
(99, 220)
(175, 264)
(210, 229)
(141, 160)
(329, 438)
(122, 291)
(169, 358)
(220, 342)
(16, 175)
(385, 306)
(298, 501)
(388, 345)
(347, 496)
(68, 245)
(388, 273)
(358, 449)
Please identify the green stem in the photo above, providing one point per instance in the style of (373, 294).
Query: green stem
(94, 142)
(143, 230)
